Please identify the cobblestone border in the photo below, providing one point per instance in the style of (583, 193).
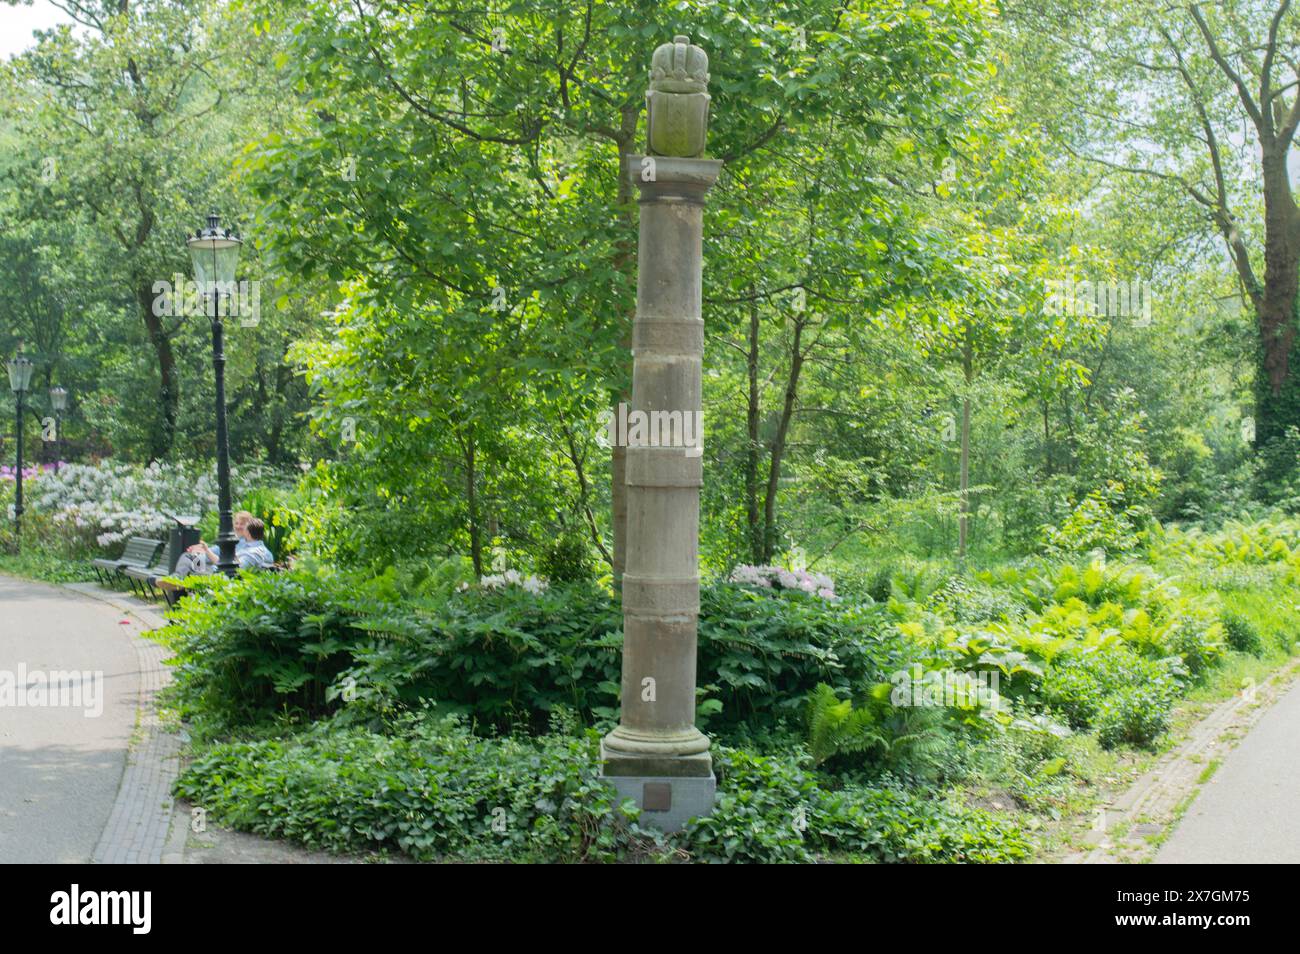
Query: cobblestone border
(139, 829)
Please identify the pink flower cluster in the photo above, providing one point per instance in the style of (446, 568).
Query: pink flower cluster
(779, 578)
(29, 473)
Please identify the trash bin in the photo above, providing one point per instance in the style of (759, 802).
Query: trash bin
(185, 533)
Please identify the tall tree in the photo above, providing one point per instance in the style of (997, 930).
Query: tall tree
(1203, 101)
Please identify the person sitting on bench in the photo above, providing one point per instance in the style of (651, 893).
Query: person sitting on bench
(251, 553)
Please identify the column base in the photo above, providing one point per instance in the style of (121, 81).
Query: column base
(670, 790)
(623, 742)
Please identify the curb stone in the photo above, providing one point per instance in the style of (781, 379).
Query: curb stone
(142, 827)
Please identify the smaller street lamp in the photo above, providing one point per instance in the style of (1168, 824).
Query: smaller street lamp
(59, 402)
(20, 379)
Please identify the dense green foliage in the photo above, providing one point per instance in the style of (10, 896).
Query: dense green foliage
(443, 247)
(418, 700)
(295, 642)
(433, 791)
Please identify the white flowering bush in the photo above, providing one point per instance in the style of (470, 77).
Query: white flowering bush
(497, 581)
(108, 502)
(780, 578)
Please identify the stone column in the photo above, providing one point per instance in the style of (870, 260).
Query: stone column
(656, 755)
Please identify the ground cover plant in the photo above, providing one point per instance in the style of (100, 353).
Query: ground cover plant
(399, 692)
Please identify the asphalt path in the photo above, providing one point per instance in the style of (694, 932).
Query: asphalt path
(1248, 812)
(62, 754)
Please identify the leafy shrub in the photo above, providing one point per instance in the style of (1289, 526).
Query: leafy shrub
(422, 579)
(915, 581)
(900, 739)
(864, 584)
(1102, 689)
(505, 655)
(261, 643)
(48, 551)
(510, 657)
(1242, 635)
(1098, 604)
(764, 651)
(303, 641)
(1133, 715)
(429, 789)
(568, 559)
(1236, 544)
(432, 790)
(1101, 521)
(775, 809)
(975, 602)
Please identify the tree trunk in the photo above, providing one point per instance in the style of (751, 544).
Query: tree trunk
(778, 443)
(163, 433)
(471, 498)
(751, 430)
(1277, 393)
(967, 366)
(1047, 440)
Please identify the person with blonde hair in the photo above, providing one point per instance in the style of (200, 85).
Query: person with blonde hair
(251, 552)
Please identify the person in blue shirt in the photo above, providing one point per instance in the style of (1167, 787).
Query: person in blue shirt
(251, 552)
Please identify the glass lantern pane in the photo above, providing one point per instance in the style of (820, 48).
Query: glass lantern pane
(227, 259)
(20, 374)
(214, 261)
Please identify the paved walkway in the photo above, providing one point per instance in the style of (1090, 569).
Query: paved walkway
(77, 789)
(60, 769)
(1247, 813)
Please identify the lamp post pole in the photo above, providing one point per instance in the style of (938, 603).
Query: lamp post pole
(20, 376)
(226, 562)
(59, 403)
(18, 476)
(214, 252)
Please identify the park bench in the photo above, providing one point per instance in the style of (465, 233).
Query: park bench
(146, 577)
(138, 552)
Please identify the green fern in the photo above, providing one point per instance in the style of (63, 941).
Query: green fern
(835, 727)
(899, 738)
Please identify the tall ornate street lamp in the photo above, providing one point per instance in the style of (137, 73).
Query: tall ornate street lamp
(20, 379)
(214, 252)
(59, 404)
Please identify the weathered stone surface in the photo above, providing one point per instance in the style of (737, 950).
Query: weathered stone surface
(656, 752)
(685, 797)
(677, 103)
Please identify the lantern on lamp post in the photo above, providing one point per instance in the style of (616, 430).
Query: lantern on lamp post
(214, 252)
(20, 379)
(59, 404)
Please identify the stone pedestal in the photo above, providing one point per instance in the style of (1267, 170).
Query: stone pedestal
(667, 802)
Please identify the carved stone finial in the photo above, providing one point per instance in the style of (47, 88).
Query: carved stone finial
(677, 103)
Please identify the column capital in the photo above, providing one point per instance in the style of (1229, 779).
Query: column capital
(671, 179)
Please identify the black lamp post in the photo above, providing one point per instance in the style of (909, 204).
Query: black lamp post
(215, 253)
(20, 378)
(59, 402)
